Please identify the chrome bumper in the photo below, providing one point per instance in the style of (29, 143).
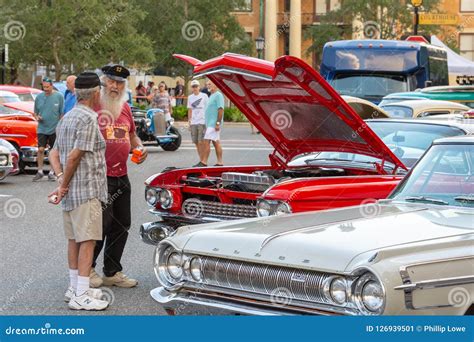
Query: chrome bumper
(194, 304)
(30, 155)
(5, 171)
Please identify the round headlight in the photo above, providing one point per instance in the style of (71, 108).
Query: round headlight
(173, 265)
(372, 296)
(264, 208)
(166, 199)
(369, 294)
(195, 269)
(282, 209)
(151, 196)
(338, 291)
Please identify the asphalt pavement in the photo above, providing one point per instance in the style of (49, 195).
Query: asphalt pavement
(34, 273)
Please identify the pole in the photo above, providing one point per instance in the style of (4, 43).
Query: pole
(4, 66)
(417, 21)
(260, 23)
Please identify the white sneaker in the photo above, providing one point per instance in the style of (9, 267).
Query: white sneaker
(95, 293)
(95, 280)
(87, 302)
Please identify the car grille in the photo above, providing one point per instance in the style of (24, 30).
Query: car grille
(274, 281)
(198, 208)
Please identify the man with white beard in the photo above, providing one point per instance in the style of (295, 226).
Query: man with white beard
(117, 126)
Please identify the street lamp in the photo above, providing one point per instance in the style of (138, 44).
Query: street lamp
(260, 45)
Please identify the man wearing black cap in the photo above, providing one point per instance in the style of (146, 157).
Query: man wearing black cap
(118, 128)
(78, 160)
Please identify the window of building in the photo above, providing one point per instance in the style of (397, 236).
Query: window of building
(243, 5)
(467, 6)
(321, 6)
(466, 45)
(287, 5)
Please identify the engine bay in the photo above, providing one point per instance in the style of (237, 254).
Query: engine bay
(258, 181)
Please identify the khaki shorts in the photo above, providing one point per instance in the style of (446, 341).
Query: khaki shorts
(197, 133)
(85, 222)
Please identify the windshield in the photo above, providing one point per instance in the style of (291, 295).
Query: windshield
(445, 176)
(7, 99)
(27, 96)
(408, 141)
(399, 112)
(369, 85)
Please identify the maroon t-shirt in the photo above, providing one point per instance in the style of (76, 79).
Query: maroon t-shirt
(117, 137)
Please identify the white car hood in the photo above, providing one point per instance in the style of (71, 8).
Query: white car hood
(326, 240)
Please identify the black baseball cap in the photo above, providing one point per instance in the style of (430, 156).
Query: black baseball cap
(87, 80)
(116, 72)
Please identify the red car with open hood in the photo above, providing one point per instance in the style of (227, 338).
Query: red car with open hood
(300, 114)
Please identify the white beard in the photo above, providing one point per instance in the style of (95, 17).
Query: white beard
(113, 105)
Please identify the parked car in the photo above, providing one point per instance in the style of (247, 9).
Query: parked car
(460, 94)
(14, 154)
(152, 128)
(410, 254)
(20, 130)
(24, 93)
(6, 161)
(423, 108)
(180, 197)
(365, 109)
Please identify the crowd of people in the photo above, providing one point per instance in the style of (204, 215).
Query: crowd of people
(91, 132)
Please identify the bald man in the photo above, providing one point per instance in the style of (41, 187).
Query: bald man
(70, 94)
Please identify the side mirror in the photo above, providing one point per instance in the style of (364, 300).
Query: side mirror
(428, 84)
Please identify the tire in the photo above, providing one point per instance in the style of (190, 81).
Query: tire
(173, 146)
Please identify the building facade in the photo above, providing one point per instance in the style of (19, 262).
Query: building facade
(282, 24)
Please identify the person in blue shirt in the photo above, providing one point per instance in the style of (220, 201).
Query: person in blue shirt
(213, 116)
(49, 108)
(70, 94)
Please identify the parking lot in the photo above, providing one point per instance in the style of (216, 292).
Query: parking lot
(34, 268)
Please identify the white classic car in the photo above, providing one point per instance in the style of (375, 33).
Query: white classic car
(6, 161)
(411, 254)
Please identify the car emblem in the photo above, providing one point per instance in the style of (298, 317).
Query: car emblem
(301, 278)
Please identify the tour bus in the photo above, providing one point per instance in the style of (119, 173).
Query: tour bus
(373, 68)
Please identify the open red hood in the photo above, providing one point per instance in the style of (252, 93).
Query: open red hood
(292, 106)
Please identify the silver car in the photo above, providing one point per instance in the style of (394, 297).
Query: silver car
(411, 254)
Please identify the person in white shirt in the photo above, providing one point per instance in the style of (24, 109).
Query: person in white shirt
(197, 102)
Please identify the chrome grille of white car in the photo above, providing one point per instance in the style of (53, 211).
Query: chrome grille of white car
(226, 211)
(268, 280)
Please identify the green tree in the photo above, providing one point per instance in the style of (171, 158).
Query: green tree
(384, 19)
(75, 34)
(202, 29)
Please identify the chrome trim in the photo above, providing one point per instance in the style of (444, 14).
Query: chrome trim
(409, 287)
(170, 136)
(435, 283)
(186, 302)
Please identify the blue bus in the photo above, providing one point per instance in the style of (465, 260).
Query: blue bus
(371, 69)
